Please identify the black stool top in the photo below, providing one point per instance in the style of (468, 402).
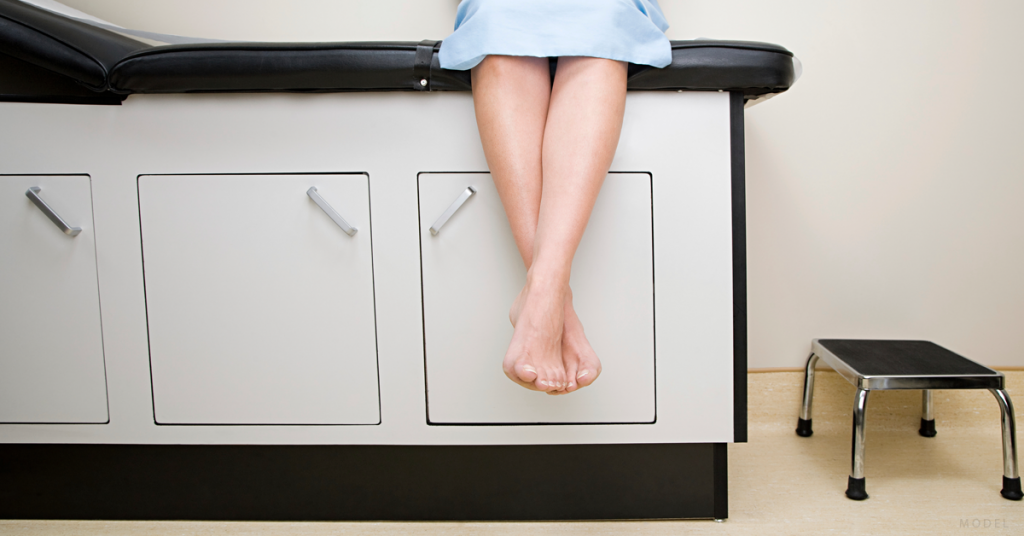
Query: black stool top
(890, 364)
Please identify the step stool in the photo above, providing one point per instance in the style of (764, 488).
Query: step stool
(882, 364)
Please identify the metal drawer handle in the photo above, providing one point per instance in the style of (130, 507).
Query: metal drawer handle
(33, 194)
(456, 205)
(322, 203)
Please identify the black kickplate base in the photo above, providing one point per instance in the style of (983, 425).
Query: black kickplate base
(535, 482)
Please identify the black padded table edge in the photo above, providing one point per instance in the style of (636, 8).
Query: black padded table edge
(65, 46)
(108, 62)
(406, 483)
(752, 68)
(24, 82)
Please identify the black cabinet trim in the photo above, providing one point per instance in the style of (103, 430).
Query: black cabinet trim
(366, 482)
(739, 268)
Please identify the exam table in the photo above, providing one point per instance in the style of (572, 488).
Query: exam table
(271, 281)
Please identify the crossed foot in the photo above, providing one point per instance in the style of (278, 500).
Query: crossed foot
(549, 351)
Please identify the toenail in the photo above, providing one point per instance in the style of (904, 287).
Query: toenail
(582, 374)
(528, 368)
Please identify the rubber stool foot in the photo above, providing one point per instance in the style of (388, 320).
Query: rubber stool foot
(1011, 489)
(803, 428)
(855, 489)
(927, 428)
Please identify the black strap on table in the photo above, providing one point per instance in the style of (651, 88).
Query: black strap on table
(421, 70)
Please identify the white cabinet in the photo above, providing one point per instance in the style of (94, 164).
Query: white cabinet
(51, 346)
(472, 272)
(260, 307)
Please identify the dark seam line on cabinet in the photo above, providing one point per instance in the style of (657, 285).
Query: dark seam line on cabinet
(99, 301)
(255, 173)
(654, 302)
(145, 299)
(263, 424)
(504, 424)
(56, 423)
(423, 311)
(373, 289)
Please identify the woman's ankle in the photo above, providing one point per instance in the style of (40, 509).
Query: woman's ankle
(547, 279)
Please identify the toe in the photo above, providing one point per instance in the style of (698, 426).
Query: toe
(559, 379)
(570, 375)
(586, 376)
(513, 372)
(547, 385)
(525, 372)
(551, 380)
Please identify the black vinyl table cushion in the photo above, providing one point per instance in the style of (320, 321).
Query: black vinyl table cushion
(902, 358)
(108, 62)
(79, 51)
(752, 68)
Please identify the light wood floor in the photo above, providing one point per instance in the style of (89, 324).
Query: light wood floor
(778, 483)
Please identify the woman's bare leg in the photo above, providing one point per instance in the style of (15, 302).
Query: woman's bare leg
(588, 101)
(511, 96)
(580, 137)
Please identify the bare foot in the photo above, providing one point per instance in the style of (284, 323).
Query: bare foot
(579, 360)
(534, 357)
(581, 364)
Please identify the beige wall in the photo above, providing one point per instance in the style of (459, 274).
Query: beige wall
(884, 191)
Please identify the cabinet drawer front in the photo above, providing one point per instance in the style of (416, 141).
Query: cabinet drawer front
(260, 306)
(472, 272)
(51, 346)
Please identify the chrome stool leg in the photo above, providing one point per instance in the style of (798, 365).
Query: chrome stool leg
(1011, 480)
(803, 424)
(927, 417)
(855, 489)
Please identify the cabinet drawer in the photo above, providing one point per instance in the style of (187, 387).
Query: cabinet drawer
(51, 346)
(472, 272)
(260, 306)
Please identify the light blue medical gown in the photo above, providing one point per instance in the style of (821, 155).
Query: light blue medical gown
(625, 30)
